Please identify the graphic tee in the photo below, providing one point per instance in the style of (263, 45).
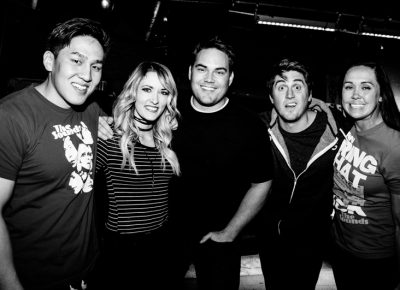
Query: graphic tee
(366, 174)
(49, 152)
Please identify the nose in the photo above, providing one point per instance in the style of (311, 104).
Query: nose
(86, 73)
(290, 94)
(357, 93)
(209, 77)
(155, 97)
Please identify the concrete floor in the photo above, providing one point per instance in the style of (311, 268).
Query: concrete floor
(251, 277)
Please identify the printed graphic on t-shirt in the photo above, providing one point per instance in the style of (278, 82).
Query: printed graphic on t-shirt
(77, 142)
(352, 168)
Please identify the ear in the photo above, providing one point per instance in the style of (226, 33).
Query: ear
(231, 78)
(310, 97)
(380, 99)
(48, 60)
(271, 99)
(190, 73)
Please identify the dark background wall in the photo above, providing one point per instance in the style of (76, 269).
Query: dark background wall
(166, 31)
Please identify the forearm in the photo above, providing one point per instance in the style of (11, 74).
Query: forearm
(8, 275)
(248, 209)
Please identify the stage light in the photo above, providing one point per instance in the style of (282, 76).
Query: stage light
(106, 4)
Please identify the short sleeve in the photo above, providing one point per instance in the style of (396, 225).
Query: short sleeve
(391, 170)
(13, 144)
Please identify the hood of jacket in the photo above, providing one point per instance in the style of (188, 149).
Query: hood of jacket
(328, 138)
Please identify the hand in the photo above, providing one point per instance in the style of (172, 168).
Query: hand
(219, 237)
(104, 131)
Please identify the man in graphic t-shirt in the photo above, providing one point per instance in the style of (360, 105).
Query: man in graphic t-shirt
(47, 133)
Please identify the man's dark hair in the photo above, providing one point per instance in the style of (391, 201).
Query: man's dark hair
(286, 65)
(217, 43)
(63, 33)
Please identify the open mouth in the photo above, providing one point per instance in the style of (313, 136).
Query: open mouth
(290, 105)
(356, 106)
(151, 109)
(80, 88)
(207, 88)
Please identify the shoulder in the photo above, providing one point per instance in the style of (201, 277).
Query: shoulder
(17, 99)
(18, 107)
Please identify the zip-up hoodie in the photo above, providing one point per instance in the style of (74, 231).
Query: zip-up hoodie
(299, 206)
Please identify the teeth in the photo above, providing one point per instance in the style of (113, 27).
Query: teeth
(291, 105)
(151, 109)
(356, 106)
(79, 87)
(207, 88)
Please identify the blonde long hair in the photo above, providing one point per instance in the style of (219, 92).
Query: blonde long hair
(123, 112)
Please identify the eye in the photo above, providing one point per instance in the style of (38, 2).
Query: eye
(146, 89)
(200, 69)
(347, 87)
(280, 88)
(221, 72)
(366, 88)
(97, 68)
(298, 87)
(77, 61)
(165, 92)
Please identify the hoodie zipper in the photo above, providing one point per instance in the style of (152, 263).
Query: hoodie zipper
(309, 163)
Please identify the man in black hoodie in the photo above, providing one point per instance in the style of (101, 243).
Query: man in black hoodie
(296, 217)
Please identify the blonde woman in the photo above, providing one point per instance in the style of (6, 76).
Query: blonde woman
(138, 164)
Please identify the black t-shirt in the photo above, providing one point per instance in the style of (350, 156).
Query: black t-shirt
(301, 145)
(220, 154)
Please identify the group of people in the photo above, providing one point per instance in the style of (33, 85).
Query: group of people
(183, 181)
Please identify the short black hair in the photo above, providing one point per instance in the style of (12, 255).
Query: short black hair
(286, 65)
(63, 33)
(218, 43)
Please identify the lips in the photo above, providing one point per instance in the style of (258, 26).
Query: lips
(208, 88)
(290, 105)
(152, 109)
(80, 88)
(356, 106)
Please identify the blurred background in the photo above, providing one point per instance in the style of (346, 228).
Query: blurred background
(324, 34)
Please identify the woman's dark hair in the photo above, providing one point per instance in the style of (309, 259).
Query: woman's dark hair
(63, 33)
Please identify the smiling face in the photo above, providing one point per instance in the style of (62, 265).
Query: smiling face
(210, 79)
(290, 96)
(361, 95)
(75, 72)
(151, 98)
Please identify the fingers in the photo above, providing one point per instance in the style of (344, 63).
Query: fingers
(109, 120)
(205, 238)
(104, 130)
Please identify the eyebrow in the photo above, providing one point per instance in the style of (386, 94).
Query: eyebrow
(364, 82)
(204, 66)
(284, 79)
(85, 57)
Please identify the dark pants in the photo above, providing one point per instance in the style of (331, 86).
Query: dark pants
(217, 265)
(136, 261)
(288, 269)
(293, 263)
(352, 272)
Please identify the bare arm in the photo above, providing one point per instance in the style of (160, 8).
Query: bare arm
(104, 131)
(8, 275)
(249, 207)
